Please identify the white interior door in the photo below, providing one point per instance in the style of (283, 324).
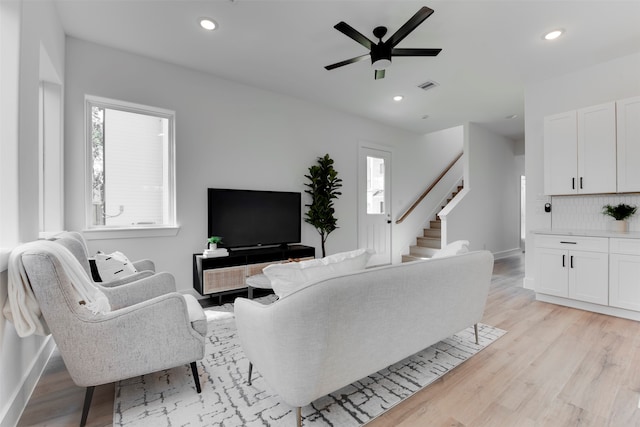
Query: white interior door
(374, 207)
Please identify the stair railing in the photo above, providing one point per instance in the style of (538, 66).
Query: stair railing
(428, 190)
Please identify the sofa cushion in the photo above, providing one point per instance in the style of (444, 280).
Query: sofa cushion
(287, 277)
(453, 248)
(113, 266)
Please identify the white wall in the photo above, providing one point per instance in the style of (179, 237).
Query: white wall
(233, 136)
(616, 79)
(489, 214)
(21, 359)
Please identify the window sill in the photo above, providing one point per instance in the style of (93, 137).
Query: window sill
(129, 232)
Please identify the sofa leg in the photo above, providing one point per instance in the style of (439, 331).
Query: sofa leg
(196, 376)
(250, 372)
(299, 416)
(475, 328)
(88, 395)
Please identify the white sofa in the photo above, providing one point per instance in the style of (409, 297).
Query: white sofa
(337, 330)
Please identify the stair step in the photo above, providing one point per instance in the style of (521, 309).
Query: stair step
(435, 224)
(409, 258)
(429, 242)
(420, 251)
(435, 232)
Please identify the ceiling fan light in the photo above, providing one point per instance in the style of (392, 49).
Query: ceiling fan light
(381, 64)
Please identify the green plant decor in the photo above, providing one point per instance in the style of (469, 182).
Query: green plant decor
(215, 239)
(323, 185)
(619, 212)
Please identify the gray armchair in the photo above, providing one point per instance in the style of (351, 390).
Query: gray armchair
(150, 326)
(74, 241)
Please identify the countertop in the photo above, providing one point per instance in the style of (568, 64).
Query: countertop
(589, 233)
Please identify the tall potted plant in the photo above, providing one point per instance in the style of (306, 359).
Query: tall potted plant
(323, 185)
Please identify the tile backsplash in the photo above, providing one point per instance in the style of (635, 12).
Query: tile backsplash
(585, 212)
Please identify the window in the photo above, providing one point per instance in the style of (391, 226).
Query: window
(130, 171)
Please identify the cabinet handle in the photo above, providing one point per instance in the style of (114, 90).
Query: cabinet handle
(563, 265)
(571, 259)
(569, 243)
(573, 183)
(581, 183)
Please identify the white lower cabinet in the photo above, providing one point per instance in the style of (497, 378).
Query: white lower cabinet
(575, 268)
(624, 274)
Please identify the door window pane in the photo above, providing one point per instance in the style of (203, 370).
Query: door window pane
(375, 186)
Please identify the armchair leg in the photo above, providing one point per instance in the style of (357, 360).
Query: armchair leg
(196, 376)
(250, 372)
(475, 329)
(299, 416)
(88, 396)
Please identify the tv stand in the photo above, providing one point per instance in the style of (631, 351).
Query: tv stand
(215, 276)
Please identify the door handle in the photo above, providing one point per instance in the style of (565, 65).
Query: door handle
(573, 183)
(571, 261)
(581, 183)
(563, 264)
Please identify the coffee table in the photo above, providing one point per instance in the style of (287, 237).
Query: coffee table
(257, 281)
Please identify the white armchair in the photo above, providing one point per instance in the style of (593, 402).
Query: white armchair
(150, 326)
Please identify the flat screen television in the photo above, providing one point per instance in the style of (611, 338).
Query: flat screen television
(248, 218)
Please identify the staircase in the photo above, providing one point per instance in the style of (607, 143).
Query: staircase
(431, 240)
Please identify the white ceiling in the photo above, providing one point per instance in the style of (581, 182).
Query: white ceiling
(491, 49)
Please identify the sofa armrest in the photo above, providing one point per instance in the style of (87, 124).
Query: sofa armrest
(146, 337)
(127, 279)
(144, 264)
(140, 290)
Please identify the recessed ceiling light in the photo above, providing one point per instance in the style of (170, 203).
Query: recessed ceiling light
(512, 116)
(398, 98)
(208, 24)
(552, 35)
(426, 116)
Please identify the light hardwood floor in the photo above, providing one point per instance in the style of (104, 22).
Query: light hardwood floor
(556, 366)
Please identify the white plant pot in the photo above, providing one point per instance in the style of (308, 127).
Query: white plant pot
(213, 246)
(620, 225)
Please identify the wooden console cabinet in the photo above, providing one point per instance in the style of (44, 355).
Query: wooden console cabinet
(229, 273)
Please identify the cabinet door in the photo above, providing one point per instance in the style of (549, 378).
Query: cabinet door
(560, 153)
(628, 130)
(589, 277)
(552, 272)
(223, 279)
(597, 149)
(624, 281)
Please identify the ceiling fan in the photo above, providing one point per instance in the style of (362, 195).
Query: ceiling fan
(382, 52)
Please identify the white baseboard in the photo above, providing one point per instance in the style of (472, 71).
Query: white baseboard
(507, 253)
(21, 396)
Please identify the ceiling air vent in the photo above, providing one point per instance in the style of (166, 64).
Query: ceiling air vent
(429, 84)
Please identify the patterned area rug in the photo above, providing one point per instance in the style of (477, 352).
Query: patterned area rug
(168, 398)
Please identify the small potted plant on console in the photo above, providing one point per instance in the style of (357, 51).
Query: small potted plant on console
(213, 242)
(620, 213)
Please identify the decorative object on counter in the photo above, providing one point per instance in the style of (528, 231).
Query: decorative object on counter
(213, 250)
(620, 213)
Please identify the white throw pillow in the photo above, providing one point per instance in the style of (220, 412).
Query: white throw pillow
(453, 248)
(113, 266)
(287, 277)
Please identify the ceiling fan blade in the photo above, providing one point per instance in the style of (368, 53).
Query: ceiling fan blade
(415, 52)
(409, 26)
(347, 62)
(351, 32)
(379, 74)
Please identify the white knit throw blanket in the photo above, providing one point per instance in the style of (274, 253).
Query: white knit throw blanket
(22, 307)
